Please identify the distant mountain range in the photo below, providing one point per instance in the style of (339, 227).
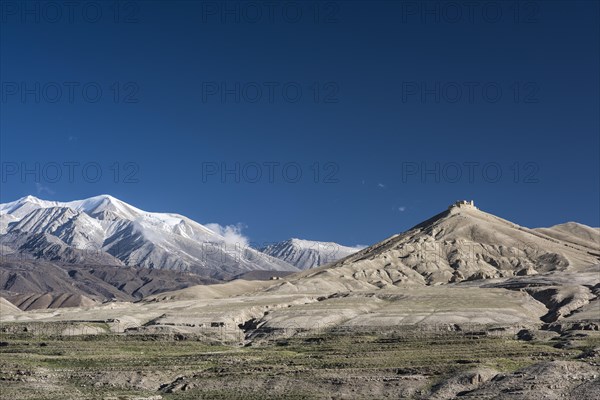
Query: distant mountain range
(306, 254)
(104, 230)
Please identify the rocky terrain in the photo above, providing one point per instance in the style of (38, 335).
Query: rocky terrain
(464, 305)
(328, 365)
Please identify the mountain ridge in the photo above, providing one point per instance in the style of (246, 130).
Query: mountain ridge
(305, 254)
(104, 229)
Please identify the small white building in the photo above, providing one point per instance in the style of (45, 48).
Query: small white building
(463, 204)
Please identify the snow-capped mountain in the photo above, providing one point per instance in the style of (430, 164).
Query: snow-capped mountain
(306, 254)
(106, 230)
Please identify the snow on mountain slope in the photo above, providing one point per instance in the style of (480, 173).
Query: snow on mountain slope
(75, 229)
(306, 254)
(106, 228)
(5, 220)
(18, 209)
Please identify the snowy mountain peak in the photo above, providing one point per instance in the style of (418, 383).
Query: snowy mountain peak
(94, 205)
(313, 244)
(97, 201)
(29, 198)
(106, 203)
(305, 254)
(24, 205)
(113, 229)
(302, 243)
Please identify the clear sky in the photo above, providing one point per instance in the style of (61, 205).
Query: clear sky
(337, 121)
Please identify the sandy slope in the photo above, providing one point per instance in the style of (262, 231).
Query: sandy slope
(572, 232)
(22, 279)
(456, 245)
(8, 308)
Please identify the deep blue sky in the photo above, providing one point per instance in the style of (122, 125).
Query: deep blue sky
(369, 125)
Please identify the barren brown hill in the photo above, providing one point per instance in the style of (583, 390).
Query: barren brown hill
(50, 300)
(572, 232)
(459, 244)
(35, 283)
(6, 307)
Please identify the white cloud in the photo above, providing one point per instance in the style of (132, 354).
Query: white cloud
(149, 234)
(402, 209)
(41, 189)
(381, 185)
(232, 233)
